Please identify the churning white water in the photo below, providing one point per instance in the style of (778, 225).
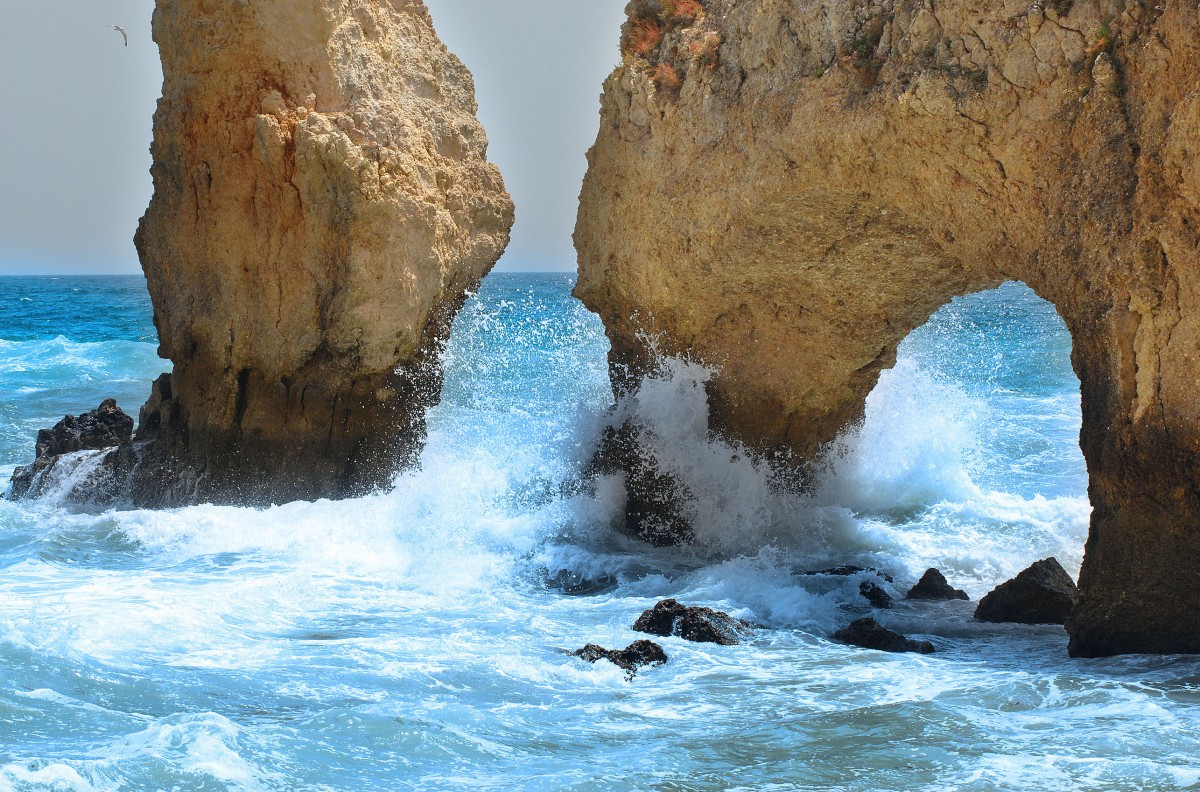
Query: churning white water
(418, 638)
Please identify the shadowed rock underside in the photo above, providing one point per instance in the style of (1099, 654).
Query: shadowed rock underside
(785, 190)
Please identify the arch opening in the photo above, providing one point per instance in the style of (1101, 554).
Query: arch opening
(969, 446)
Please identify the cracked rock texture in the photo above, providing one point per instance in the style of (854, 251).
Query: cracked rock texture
(322, 202)
(785, 190)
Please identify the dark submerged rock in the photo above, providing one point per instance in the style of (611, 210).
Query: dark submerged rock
(1042, 594)
(875, 594)
(703, 625)
(933, 586)
(847, 571)
(574, 584)
(104, 427)
(870, 634)
(631, 658)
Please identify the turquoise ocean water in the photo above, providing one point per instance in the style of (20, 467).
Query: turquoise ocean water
(414, 639)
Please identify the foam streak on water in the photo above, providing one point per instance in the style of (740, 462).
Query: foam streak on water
(408, 640)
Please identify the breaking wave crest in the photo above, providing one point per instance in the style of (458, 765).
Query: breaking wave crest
(417, 638)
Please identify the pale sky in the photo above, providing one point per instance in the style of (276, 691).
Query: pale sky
(76, 107)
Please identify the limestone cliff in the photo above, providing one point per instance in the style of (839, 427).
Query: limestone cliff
(786, 189)
(322, 202)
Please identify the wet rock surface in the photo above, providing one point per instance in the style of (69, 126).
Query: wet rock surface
(870, 634)
(95, 430)
(637, 655)
(848, 570)
(654, 499)
(703, 625)
(933, 586)
(1042, 594)
(875, 594)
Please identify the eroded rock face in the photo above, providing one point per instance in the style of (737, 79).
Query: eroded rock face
(322, 203)
(95, 430)
(785, 190)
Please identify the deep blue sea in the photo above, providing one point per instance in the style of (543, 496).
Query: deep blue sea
(409, 640)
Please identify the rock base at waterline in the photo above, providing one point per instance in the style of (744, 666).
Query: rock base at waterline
(106, 427)
(635, 656)
(1042, 594)
(870, 634)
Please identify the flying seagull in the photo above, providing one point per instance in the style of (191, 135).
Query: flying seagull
(124, 35)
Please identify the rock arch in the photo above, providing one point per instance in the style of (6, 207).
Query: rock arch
(822, 177)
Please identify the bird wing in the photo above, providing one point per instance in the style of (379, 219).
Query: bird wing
(124, 35)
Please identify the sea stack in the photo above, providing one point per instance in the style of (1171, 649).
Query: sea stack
(785, 190)
(322, 204)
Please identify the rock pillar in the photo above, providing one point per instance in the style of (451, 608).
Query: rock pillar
(322, 204)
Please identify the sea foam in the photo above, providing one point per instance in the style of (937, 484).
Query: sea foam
(416, 638)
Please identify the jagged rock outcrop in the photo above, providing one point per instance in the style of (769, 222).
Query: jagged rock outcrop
(699, 624)
(785, 190)
(106, 427)
(1042, 594)
(322, 203)
(933, 586)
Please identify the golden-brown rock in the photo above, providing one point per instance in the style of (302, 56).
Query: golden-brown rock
(826, 175)
(322, 202)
